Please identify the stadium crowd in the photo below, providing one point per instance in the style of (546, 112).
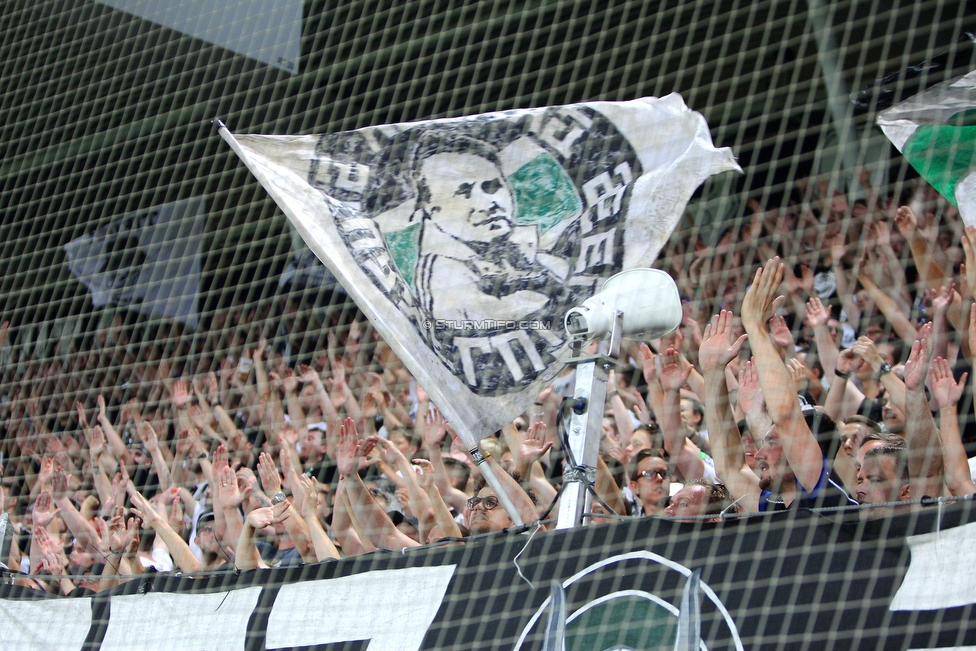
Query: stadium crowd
(835, 378)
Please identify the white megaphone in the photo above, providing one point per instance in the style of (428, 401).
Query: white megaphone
(648, 299)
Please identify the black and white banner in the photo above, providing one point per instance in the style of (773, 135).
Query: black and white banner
(778, 582)
(148, 261)
(465, 241)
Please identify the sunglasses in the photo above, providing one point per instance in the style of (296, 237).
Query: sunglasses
(487, 503)
(650, 474)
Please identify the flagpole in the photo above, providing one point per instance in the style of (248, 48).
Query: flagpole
(485, 469)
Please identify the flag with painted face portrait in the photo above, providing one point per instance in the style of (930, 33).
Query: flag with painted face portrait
(465, 241)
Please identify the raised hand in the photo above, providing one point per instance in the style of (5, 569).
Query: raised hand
(120, 535)
(143, 509)
(44, 511)
(198, 416)
(179, 393)
(371, 402)
(186, 441)
(846, 361)
(388, 452)
(425, 473)
(943, 299)
(268, 516)
(905, 221)
(247, 482)
(534, 443)
(309, 496)
(289, 381)
(866, 349)
(148, 436)
(102, 414)
(673, 376)
(97, 442)
(290, 434)
(916, 368)
(817, 315)
(947, 391)
(59, 484)
(781, 334)
(761, 302)
(347, 452)
(750, 393)
(798, 373)
(131, 410)
(46, 472)
(230, 492)
(338, 376)
(435, 428)
(221, 458)
(82, 417)
(268, 471)
(838, 248)
(719, 345)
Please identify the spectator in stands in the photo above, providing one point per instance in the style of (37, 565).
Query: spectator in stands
(650, 482)
(700, 497)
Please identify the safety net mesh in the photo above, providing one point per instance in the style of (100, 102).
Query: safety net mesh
(165, 326)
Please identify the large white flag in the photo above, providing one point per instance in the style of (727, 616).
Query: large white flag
(936, 131)
(465, 241)
(148, 261)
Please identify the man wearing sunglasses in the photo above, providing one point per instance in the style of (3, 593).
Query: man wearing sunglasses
(650, 482)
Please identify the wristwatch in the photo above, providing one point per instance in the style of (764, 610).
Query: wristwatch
(278, 498)
(884, 368)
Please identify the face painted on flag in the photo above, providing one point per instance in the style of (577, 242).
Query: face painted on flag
(494, 226)
(466, 241)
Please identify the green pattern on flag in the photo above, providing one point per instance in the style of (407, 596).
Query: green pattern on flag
(404, 248)
(543, 193)
(945, 153)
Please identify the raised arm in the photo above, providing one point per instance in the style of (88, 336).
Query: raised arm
(324, 548)
(899, 321)
(947, 392)
(150, 440)
(843, 398)
(719, 347)
(684, 453)
(655, 394)
(925, 462)
(817, 316)
(346, 528)
(444, 522)
(434, 430)
(295, 524)
(376, 523)
(868, 351)
(247, 556)
(799, 444)
(531, 447)
(178, 549)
